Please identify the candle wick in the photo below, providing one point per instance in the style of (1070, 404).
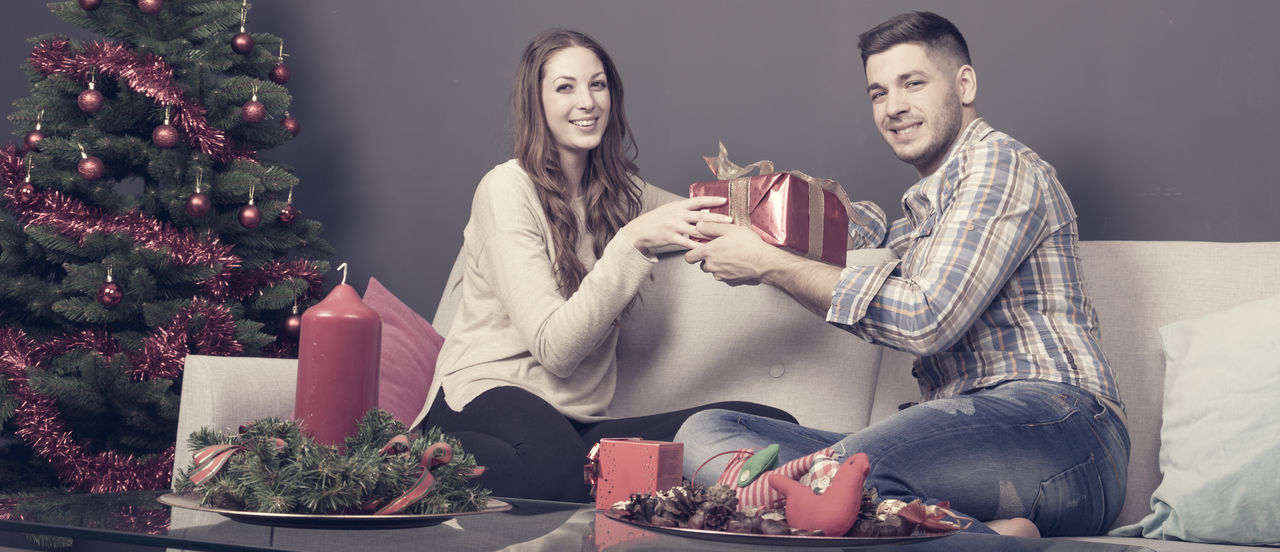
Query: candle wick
(343, 268)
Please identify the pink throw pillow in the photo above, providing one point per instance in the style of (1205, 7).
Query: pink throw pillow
(409, 350)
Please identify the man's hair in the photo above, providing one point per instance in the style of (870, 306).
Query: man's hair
(935, 32)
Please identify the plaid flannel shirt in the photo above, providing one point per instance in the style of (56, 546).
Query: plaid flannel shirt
(986, 288)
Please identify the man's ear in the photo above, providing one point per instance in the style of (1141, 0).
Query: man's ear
(967, 84)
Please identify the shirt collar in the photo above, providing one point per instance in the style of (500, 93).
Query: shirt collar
(975, 132)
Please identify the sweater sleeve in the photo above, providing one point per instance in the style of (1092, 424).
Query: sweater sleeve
(515, 258)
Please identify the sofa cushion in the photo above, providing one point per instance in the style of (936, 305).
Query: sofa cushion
(1218, 449)
(410, 347)
(1139, 287)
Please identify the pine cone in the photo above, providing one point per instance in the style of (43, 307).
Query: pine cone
(721, 494)
(715, 516)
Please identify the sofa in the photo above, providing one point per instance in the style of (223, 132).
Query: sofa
(692, 340)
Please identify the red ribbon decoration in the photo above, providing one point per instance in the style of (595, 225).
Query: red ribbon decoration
(210, 460)
(419, 489)
(399, 441)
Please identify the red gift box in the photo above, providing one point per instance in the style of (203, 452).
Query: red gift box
(805, 215)
(626, 466)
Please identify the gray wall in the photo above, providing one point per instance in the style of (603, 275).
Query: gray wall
(1159, 116)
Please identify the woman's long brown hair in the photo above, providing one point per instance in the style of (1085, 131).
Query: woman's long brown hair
(612, 197)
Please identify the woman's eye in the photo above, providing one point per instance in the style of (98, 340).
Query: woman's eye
(599, 85)
(564, 88)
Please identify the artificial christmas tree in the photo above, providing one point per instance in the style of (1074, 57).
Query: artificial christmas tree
(139, 224)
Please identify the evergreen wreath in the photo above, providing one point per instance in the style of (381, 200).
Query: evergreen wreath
(273, 466)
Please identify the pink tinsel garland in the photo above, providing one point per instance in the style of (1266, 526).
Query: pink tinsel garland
(146, 74)
(41, 427)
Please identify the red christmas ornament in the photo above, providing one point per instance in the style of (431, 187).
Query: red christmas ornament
(253, 111)
(164, 136)
(109, 293)
(293, 325)
(150, 7)
(288, 213)
(280, 74)
(250, 216)
(90, 5)
(90, 101)
(91, 168)
(32, 140)
(291, 124)
(198, 205)
(25, 194)
(242, 43)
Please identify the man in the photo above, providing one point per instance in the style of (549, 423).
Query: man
(1019, 415)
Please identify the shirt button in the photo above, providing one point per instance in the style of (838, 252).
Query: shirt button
(777, 370)
(968, 226)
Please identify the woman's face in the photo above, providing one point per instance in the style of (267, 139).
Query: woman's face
(575, 100)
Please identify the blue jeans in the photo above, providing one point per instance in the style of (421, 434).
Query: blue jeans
(1046, 451)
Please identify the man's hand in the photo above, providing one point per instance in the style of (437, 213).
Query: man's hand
(735, 255)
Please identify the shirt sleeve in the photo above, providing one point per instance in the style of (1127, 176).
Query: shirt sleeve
(513, 258)
(986, 217)
(866, 225)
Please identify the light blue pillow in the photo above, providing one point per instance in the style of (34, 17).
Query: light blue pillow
(1218, 447)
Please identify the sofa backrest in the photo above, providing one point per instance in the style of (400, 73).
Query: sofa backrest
(1139, 286)
(692, 340)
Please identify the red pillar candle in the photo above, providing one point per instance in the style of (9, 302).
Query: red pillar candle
(339, 351)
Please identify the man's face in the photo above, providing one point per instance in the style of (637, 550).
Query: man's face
(915, 103)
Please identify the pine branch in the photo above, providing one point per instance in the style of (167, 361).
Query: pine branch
(283, 470)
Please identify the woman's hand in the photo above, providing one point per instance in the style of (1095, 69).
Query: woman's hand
(675, 223)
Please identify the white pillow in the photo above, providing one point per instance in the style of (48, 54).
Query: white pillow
(1218, 446)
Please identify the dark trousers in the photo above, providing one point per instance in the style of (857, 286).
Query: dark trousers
(531, 450)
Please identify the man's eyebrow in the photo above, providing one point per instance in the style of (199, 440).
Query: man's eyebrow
(902, 77)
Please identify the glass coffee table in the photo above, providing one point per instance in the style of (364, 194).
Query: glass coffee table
(138, 521)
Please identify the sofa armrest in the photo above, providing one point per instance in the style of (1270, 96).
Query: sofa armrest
(223, 393)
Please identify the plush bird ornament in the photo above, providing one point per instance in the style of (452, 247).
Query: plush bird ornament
(834, 511)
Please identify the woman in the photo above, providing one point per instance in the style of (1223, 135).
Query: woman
(559, 241)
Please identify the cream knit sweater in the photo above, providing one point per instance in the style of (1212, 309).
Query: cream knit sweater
(512, 327)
